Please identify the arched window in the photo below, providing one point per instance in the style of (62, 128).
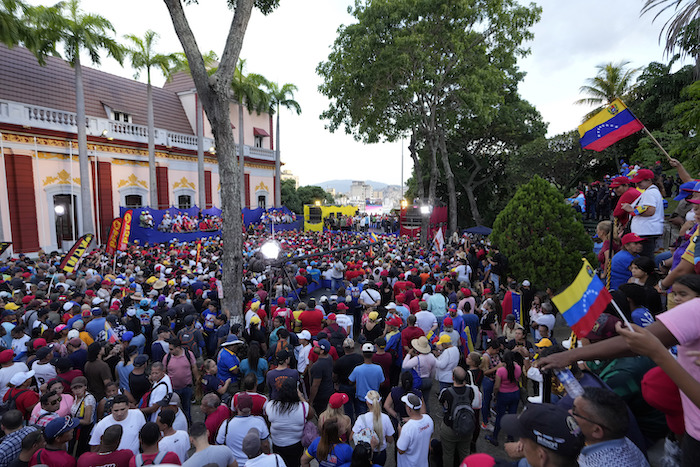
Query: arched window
(184, 202)
(133, 201)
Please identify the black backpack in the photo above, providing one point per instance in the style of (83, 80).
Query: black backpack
(463, 420)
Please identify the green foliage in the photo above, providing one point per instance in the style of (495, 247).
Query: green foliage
(311, 193)
(613, 80)
(289, 196)
(143, 56)
(542, 236)
(248, 89)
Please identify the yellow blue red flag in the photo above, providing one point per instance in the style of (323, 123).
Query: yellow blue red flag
(373, 237)
(583, 301)
(608, 126)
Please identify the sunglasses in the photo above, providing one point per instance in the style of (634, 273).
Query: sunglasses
(577, 415)
(56, 401)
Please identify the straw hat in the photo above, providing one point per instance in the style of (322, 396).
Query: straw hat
(421, 345)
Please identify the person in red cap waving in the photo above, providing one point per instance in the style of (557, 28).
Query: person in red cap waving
(647, 212)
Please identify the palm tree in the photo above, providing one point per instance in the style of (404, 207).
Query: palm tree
(79, 31)
(248, 92)
(143, 56)
(280, 97)
(684, 13)
(613, 80)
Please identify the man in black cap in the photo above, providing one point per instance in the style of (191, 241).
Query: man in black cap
(276, 377)
(548, 435)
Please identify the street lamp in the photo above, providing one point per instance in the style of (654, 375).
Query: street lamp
(426, 209)
(404, 204)
(317, 202)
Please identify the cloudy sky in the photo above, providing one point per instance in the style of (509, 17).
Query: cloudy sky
(571, 39)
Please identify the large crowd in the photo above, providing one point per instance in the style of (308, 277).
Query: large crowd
(411, 356)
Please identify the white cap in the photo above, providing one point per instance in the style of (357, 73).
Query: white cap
(73, 333)
(412, 401)
(368, 347)
(526, 283)
(19, 378)
(391, 306)
(306, 335)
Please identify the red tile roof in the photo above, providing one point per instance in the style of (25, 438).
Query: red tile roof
(23, 80)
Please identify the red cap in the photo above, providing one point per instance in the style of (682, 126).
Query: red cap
(281, 301)
(338, 399)
(621, 180)
(487, 291)
(478, 460)
(342, 306)
(662, 393)
(86, 313)
(90, 293)
(198, 292)
(447, 321)
(630, 238)
(331, 316)
(400, 298)
(6, 355)
(39, 343)
(643, 174)
(384, 273)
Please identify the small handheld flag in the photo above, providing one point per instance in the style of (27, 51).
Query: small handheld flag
(583, 301)
(608, 126)
(373, 237)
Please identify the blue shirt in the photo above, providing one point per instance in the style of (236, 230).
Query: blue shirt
(366, 378)
(340, 454)
(620, 268)
(403, 312)
(642, 317)
(259, 372)
(95, 326)
(226, 364)
(471, 321)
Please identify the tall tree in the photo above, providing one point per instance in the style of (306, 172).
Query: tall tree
(144, 57)
(249, 94)
(215, 94)
(78, 31)
(280, 97)
(421, 66)
(613, 80)
(681, 28)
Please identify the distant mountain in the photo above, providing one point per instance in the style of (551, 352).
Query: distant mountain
(343, 186)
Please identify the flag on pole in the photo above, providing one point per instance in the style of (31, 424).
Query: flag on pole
(581, 303)
(111, 335)
(72, 258)
(439, 241)
(373, 237)
(608, 126)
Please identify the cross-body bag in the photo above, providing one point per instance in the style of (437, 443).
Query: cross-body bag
(476, 402)
(310, 431)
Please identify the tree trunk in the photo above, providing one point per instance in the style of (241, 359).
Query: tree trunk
(152, 184)
(83, 162)
(416, 166)
(278, 164)
(452, 192)
(476, 215)
(200, 156)
(214, 93)
(432, 185)
(241, 156)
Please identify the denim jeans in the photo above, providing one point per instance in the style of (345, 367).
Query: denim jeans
(335, 284)
(506, 402)
(186, 399)
(486, 391)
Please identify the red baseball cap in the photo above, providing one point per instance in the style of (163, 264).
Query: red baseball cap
(643, 174)
(621, 180)
(630, 238)
(338, 399)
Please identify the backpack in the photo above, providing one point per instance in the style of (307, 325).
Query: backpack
(158, 459)
(187, 339)
(463, 420)
(145, 401)
(11, 403)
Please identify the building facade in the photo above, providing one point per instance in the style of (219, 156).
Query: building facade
(40, 197)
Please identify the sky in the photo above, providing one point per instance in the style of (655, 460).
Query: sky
(286, 46)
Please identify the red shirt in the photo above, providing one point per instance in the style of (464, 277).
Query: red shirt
(118, 458)
(25, 402)
(68, 378)
(214, 421)
(313, 356)
(169, 458)
(410, 333)
(52, 458)
(312, 321)
(627, 197)
(258, 401)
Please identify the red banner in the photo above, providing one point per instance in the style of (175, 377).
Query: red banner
(125, 230)
(72, 258)
(113, 237)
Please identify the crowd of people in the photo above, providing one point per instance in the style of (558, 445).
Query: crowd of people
(181, 223)
(362, 222)
(410, 357)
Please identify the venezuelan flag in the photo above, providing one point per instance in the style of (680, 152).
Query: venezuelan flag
(583, 301)
(608, 126)
(373, 237)
(111, 335)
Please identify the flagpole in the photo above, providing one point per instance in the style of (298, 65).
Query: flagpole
(657, 143)
(622, 315)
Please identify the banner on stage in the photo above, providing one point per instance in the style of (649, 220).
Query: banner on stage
(72, 258)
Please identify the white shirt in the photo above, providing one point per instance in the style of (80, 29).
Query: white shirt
(286, 428)
(178, 442)
(302, 357)
(369, 297)
(425, 320)
(345, 322)
(415, 440)
(43, 373)
(547, 320)
(159, 392)
(366, 420)
(7, 373)
(233, 437)
(266, 460)
(654, 224)
(446, 362)
(131, 426)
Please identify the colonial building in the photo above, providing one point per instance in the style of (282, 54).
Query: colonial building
(39, 174)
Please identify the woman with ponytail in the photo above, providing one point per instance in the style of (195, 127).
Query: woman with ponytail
(328, 449)
(376, 423)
